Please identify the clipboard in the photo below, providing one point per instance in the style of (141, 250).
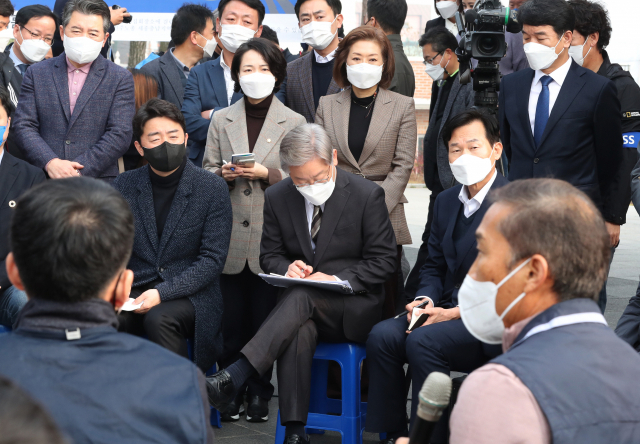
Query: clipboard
(282, 281)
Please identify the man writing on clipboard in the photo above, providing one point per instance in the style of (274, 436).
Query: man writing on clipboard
(320, 224)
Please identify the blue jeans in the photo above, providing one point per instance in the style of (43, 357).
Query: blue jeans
(11, 302)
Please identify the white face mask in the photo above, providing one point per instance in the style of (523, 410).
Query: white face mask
(318, 193)
(233, 36)
(435, 71)
(81, 50)
(576, 52)
(469, 169)
(33, 50)
(257, 85)
(209, 47)
(318, 35)
(447, 9)
(541, 56)
(363, 75)
(477, 302)
(4, 41)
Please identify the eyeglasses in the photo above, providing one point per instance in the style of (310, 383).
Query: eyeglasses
(47, 40)
(317, 182)
(430, 61)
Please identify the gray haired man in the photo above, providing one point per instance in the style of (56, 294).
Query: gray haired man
(320, 224)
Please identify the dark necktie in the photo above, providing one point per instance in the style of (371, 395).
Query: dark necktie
(542, 110)
(315, 223)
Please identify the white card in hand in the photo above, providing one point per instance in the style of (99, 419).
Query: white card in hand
(130, 306)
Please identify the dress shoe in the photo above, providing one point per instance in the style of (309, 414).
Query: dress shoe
(296, 439)
(388, 441)
(220, 390)
(258, 409)
(235, 409)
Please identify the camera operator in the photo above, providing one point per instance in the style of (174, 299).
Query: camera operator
(572, 130)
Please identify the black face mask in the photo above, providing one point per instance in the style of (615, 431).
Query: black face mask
(165, 157)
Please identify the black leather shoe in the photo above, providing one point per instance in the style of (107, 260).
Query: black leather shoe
(388, 441)
(220, 390)
(296, 439)
(258, 409)
(235, 409)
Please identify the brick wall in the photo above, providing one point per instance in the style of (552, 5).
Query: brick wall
(423, 81)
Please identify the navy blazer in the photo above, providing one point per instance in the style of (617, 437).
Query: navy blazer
(582, 142)
(446, 267)
(96, 134)
(206, 89)
(16, 177)
(190, 255)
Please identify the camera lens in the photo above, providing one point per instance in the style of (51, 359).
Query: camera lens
(488, 45)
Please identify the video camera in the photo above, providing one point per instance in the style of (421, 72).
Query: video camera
(483, 39)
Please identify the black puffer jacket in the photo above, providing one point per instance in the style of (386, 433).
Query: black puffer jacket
(629, 96)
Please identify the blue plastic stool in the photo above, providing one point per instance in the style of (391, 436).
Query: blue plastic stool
(346, 416)
(4, 329)
(215, 415)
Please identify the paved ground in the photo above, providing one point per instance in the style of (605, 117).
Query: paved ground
(622, 284)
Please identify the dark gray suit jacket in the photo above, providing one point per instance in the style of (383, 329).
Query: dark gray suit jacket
(190, 254)
(460, 99)
(96, 134)
(355, 242)
(166, 72)
(404, 80)
(514, 60)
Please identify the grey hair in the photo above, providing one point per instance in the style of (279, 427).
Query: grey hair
(87, 7)
(304, 144)
(552, 218)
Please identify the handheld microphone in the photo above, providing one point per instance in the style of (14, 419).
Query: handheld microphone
(434, 398)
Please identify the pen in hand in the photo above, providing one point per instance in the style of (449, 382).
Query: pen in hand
(406, 312)
(224, 162)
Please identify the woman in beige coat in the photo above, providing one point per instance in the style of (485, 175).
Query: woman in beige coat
(255, 125)
(373, 129)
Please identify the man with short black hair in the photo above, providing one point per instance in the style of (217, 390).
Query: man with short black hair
(564, 376)
(389, 15)
(438, 48)
(441, 343)
(311, 76)
(71, 240)
(558, 119)
(272, 36)
(16, 177)
(210, 86)
(183, 226)
(35, 26)
(6, 11)
(192, 33)
(75, 110)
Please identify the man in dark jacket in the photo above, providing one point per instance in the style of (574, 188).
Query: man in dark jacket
(16, 177)
(71, 240)
(35, 26)
(389, 15)
(183, 226)
(591, 35)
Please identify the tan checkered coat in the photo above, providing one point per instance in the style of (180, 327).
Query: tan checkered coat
(228, 135)
(389, 148)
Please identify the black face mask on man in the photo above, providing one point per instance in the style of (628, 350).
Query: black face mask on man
(166, 156)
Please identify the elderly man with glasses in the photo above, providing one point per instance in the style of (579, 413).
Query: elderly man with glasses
(320, 224)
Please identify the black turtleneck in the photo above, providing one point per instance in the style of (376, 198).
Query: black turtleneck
(359, 120)
(255, 118)
(164, 189)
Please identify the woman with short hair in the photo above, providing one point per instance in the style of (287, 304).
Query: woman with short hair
(373, 129)
(254, 125)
